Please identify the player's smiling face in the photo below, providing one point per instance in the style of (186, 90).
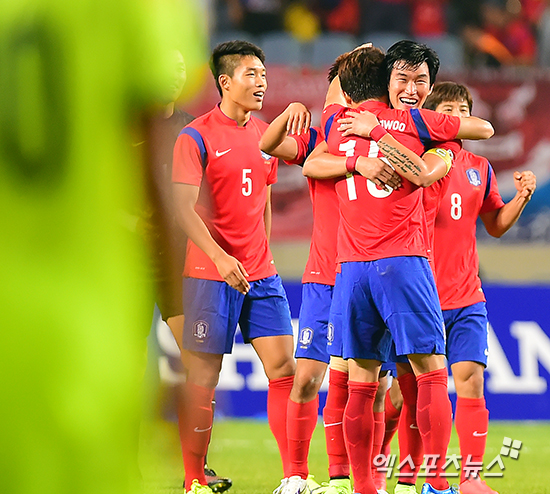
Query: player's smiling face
(248, 85)
(456, 108)
(409, 87)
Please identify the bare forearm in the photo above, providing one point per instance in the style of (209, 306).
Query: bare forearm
(195, 228)
(497, 223)
(409, 165)
(475, 128)
(324, 165)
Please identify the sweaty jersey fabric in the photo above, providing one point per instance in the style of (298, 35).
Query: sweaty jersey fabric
(225, 161)
(321, 263)
(472, 190)
(377, 223)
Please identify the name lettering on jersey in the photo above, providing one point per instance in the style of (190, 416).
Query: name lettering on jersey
(393, 125)
(221, 153)
(474, 177)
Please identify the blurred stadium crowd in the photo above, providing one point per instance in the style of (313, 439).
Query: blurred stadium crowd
(474, 33)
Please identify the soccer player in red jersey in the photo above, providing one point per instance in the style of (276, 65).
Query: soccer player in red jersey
(377, 251)
(472, 193)
(289, 137)
(222, 195)
(411, 71)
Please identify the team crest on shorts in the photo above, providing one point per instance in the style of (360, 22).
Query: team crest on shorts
(306, 336)
(474, 177)
(200, 330)
(330, 333)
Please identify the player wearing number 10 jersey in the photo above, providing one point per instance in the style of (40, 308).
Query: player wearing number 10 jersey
(382, 250)
(222, 197)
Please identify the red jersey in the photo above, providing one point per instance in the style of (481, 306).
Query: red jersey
(433, 195)
(377, 223)
(321, 263)
(472, 190)
(225, 161)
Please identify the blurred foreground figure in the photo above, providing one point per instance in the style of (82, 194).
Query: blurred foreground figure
(168, 239)
(76, 80)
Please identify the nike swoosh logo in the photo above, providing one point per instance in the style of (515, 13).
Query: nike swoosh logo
(333, 424)
(221, 153)
(479, 434)
(196, 429)
(412, 426)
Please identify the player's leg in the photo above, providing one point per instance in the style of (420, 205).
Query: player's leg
(379, 422)
(359, 424)
(393, 402)
(407, 299)
(216, 482)
(211, 313)
(311, 364)
(265, 322)
(366, 343)
(337, 398)
(467, 352)
(410, 440)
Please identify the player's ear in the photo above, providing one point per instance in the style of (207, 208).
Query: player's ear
(225, 81)
(431, 89)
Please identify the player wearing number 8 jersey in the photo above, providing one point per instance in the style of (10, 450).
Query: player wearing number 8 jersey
(472, 192)
(222, 196)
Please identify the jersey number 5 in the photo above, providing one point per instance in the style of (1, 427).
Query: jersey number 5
(247, 182)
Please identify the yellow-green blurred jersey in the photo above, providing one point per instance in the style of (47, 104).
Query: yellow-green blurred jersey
(76, 78)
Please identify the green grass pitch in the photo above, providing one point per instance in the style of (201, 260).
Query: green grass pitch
(246, 451)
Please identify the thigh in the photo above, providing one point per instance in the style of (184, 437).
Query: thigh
(265, 310)
(364, 333)
(203, 369)
(212, 311)
(334, 329)
(467, 334)
(313, 322)
(405, 294)
(275, 352)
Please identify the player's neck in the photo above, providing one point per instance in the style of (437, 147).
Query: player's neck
(235, 112)
(356, 105)
(169, 110)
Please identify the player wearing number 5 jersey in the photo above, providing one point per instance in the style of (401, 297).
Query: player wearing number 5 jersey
(472, 192)
(222, 196)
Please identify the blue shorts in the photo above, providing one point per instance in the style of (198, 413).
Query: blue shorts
(334, 336)
(390, 298)
(467, 334)
(212, 310)
(314, 313)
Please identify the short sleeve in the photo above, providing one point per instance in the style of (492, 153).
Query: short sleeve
(492, 199)
(187, 166)
(327, 118)
(435, 126)
(272, 176)
(306, 144)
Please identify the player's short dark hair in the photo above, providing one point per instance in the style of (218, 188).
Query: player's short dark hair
(448, 92)
(333, 71)
(412, 54)
(362, 74)
(227, 56)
